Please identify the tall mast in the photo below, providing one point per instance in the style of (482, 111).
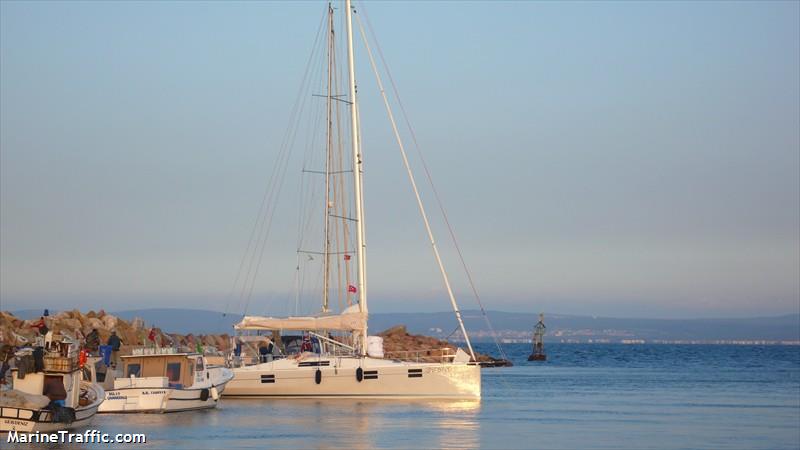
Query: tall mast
(357, 188)
(328, 148)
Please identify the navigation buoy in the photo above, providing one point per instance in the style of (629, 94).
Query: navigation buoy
(538, 341)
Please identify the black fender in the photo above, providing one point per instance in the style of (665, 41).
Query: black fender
(359, 374)
(318, 376)
(204, 395)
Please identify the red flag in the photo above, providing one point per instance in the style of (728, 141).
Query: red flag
(351, 289)
(347, 257)
(152, 335)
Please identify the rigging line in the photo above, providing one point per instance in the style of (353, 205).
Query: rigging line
(339, 196)
(334, 97)
(416, 191)
(282, 161)
(304, 227)
(344, 218)
(320, 172)
(296, 111)
(283, 165)
(328, 145)
(310, 152)
(433, 187)
(455, 330)
(312, 197)
(276, 184)
(310, 252)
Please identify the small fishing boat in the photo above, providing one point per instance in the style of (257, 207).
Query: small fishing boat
(161, 380)
(54, 398)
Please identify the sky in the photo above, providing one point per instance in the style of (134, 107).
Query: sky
(629, 159)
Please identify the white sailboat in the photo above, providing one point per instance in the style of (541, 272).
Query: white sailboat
(339, 367)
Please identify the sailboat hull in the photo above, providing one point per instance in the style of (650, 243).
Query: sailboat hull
(340, 377)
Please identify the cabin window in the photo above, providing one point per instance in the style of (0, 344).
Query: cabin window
(134, 370)
(174, 372)
(199, 364)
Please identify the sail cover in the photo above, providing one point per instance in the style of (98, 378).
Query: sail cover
(351, 319)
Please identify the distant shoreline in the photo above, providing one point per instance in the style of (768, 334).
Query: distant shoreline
(516, 327)
(723, 342)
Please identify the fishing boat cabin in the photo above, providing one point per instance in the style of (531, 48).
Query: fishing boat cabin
(59, 380)
(160, 368)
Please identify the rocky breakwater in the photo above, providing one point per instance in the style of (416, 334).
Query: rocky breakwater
(399, 344)
(18, 332)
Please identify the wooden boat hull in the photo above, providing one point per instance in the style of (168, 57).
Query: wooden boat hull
(32, 420)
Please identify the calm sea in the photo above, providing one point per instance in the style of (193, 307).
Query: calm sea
(583, 397)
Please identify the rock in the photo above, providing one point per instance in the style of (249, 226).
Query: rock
(137, 323)
(397, 343)
(15, 331)
(398, 330)
(109, 321)
(95, 323)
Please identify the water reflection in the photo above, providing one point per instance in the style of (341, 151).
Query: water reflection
(745, 401)
(326, 423)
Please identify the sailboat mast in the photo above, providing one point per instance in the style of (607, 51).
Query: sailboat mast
(328, 148)
(357, 187)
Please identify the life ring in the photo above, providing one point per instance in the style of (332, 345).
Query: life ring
(359, 374)
(318, 376)
(204, 395)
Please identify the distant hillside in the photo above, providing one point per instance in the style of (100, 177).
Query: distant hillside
(583, 328)
(511, 326)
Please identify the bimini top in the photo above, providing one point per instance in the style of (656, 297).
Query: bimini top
(351, 319)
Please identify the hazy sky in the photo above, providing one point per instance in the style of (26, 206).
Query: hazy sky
(627, 159)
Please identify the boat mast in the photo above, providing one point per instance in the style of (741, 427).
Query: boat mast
(326, 263)
(360, 244)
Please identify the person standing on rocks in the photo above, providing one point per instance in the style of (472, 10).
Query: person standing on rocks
(41, 325)
(115, 342)
(151, 336)
(6, 354)
(93, 341)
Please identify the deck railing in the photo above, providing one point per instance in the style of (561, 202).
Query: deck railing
(445, 354)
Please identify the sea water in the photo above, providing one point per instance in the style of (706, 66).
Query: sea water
(585, 396)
